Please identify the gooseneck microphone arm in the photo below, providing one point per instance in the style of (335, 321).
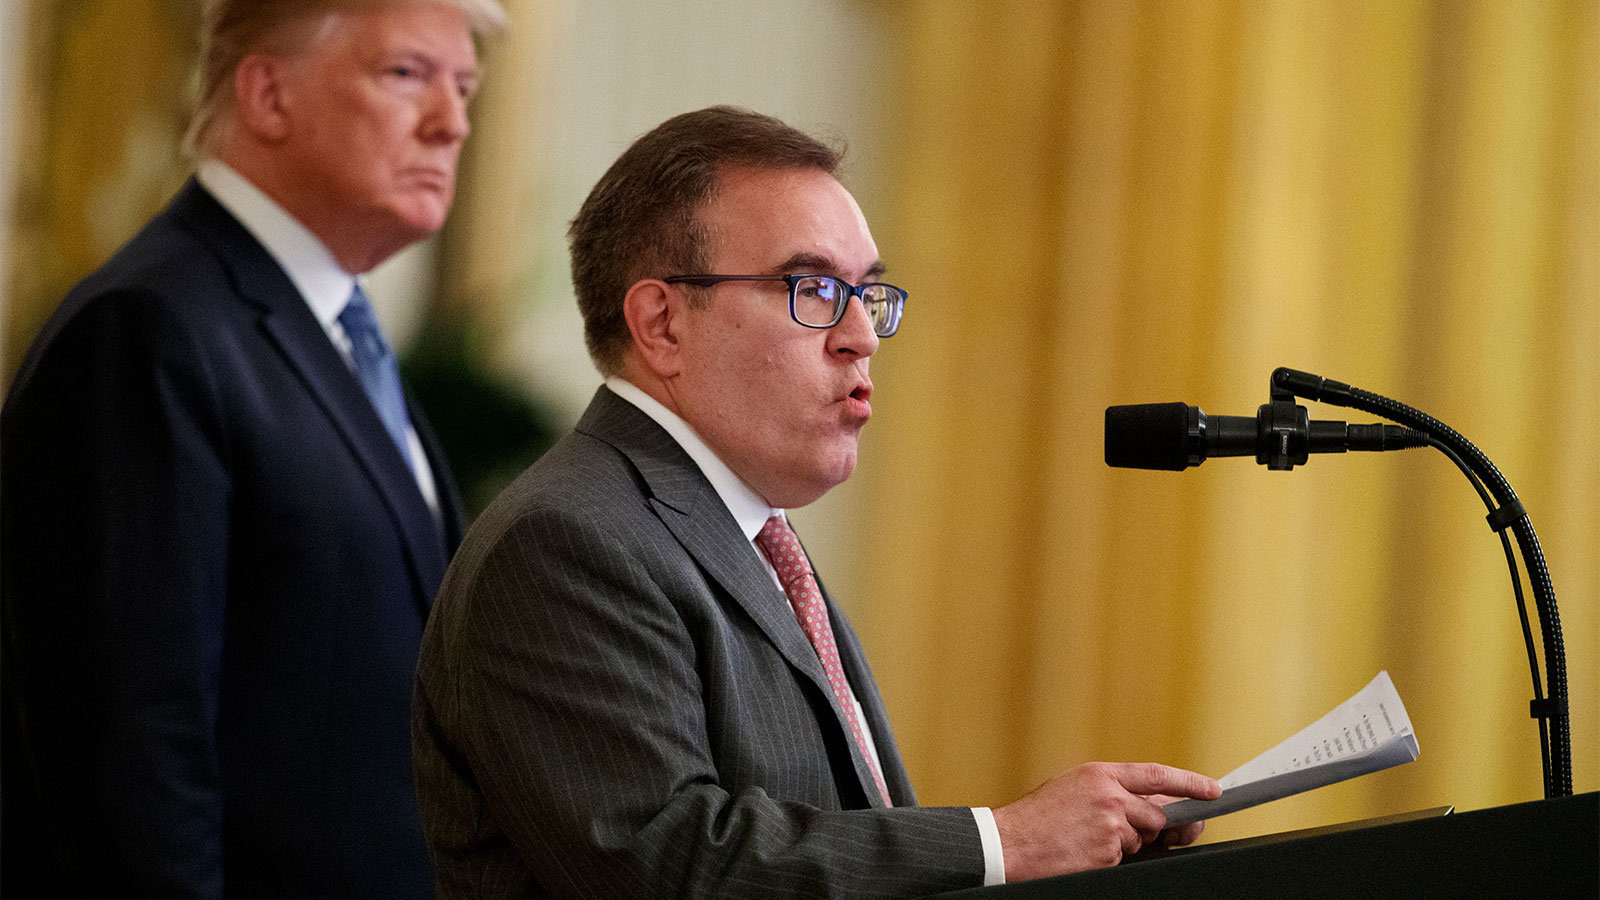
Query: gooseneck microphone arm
(1521, 603)
(1555, 736)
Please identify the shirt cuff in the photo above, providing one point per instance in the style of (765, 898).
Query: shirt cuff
(994, 858)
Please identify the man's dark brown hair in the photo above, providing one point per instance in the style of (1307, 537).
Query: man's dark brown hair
(641, 221)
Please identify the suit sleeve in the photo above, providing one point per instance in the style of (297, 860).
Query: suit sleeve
(576, 705)
(116, 554)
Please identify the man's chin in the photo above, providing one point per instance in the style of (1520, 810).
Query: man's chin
(821, 482)
(424, 222)
(401, 232)
(421, 213)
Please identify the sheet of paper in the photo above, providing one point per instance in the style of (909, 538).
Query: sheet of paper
(1365, 733)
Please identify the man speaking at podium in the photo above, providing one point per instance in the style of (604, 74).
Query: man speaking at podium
(632, 684)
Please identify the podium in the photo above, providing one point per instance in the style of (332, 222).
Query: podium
(1545, 848)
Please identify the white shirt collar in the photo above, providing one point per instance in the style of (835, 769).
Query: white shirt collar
(749, 510)
(316, 274)
(752, 512)
(322, 283)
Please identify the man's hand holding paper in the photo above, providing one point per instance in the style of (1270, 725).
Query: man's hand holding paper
(1366, 733)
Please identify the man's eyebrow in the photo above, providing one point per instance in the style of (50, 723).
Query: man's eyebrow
(807, 262)
(424, 59)
(821, 265)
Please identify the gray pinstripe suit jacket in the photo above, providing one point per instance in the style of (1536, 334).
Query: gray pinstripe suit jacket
(614, 700)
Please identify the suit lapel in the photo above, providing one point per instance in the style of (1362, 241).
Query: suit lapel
(691, 509)
(856, 669)
(452, 510)
(288, 322)
(856, 672)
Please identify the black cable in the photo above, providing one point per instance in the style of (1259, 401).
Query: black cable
(1516, 590)
(1510, 514)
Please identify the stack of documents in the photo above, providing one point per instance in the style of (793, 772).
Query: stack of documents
(1368, 732)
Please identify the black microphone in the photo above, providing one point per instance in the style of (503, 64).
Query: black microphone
(1175, 436)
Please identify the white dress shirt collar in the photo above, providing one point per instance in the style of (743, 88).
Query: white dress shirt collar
(316, 274)
(322, 283)
(749, 510)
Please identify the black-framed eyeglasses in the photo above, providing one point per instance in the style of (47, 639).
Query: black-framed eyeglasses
(820, 301)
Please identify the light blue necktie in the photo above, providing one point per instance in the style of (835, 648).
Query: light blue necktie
(376, 368)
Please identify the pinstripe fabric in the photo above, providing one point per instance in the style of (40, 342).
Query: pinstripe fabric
(778, 541)
(615, 700)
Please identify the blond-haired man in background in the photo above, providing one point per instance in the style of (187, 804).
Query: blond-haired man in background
(223, 520)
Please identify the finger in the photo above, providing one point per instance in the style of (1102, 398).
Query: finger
(1148, 818)
(1154, 778)
(1182, 835)
(1132, 840)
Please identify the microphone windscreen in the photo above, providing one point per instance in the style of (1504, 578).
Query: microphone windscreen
(1148, 436)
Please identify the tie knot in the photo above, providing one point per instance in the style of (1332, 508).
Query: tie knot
(360, 324)
(778, 541)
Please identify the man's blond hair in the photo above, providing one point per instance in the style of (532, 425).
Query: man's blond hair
(230, 30)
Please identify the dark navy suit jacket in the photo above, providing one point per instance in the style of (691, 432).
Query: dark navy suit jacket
(216, 570)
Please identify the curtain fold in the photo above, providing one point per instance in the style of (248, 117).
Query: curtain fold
(1099, 203)
(486, 246)
(1096, 203)
(99, 118)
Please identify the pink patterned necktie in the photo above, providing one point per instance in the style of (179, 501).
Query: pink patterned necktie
(777, 540)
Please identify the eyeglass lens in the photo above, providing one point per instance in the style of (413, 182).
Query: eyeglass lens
(820, 301)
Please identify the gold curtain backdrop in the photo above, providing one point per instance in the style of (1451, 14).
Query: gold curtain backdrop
(1098, 203)
(100, 108)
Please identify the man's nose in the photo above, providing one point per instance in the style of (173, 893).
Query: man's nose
(854, 334)
(446, 118)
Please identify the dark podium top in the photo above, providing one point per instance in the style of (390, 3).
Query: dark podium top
(1546, 848)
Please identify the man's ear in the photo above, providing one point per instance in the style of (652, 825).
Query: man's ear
(654, 312)
(258, 97)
